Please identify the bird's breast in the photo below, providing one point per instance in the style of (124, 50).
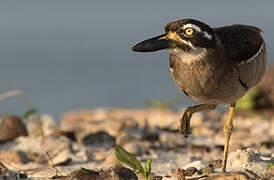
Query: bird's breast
(205, 81)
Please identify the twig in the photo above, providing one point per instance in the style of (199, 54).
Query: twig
(57, 171)
(252, 173)
(18, 171)
(11, 94)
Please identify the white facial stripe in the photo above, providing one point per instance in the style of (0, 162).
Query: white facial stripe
(188, 43)
(191, 45)
(184, 41)
(197, 28)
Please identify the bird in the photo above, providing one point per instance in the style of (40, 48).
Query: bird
(211, 65)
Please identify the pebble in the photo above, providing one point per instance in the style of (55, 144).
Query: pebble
(54, 144)
(11, 127)
(111, 158)
(14, 157)
(134, 148)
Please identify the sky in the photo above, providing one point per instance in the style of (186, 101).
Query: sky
(69, 55)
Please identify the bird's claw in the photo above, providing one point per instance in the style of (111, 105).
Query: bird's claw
(185, 123)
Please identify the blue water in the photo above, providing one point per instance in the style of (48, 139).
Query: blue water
(77, 54)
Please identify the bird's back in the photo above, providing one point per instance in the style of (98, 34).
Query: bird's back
(240, 42)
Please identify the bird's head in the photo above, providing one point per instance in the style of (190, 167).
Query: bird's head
(185, 35)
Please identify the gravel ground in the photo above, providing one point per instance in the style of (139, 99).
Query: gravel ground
(86, 139)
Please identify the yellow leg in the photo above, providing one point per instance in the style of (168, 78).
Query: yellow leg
(227, 132)
(187, 114)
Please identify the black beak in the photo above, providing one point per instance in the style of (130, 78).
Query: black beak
(153, 44)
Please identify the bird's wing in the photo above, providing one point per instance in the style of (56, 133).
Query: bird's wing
(241, 42)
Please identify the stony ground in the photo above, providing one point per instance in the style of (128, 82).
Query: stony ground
(86, 139)
(81, 145)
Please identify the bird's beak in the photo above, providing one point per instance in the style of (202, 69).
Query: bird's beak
(163, 41)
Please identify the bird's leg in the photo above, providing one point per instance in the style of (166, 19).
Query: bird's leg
(187, 114)
(227, 132)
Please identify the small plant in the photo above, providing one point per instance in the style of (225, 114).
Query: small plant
(129, 160)
(254, 99)
(159, 104)
(29, 113)
(32, 112)
(268, 166)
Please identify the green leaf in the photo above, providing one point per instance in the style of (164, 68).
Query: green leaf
(148, 168)
(29, 113)
(268, 166)
(129, 160)
(249, 101)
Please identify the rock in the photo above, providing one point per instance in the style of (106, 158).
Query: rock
(149, 135)
(63, 158)
(54, 145)
(199, 150)
(235, 147)
(134, 148)
(68, 134)
(23, 143)
(208, 169)
(11, 127)
(216, 164)
(48, 124)
(172, 139)
(114, 120)
(229, 176)
(197, 164)
(156, 178)
(181, 173)
(100, 154)
(87, 122)
(111, 158)
(248, 159)
(14, 157)
(124, 139)
(82, 174)
(206, 123)
(45, 125)
(118, 173)
(113, 173)
(99, 139)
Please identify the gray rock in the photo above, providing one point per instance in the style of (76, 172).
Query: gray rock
(99, 139)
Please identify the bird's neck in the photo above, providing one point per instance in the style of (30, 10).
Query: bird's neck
(190, 57)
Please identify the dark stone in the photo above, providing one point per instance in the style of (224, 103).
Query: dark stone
(113, 173)
(118, 173)
(100, 138)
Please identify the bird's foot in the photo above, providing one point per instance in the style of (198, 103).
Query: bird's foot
(185, 122)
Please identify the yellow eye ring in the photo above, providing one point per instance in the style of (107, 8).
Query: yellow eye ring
(189, 31)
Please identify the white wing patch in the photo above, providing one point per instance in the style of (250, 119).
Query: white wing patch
(208, 36)
(255, 56)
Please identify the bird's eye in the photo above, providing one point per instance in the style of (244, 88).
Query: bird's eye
(189, 31)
